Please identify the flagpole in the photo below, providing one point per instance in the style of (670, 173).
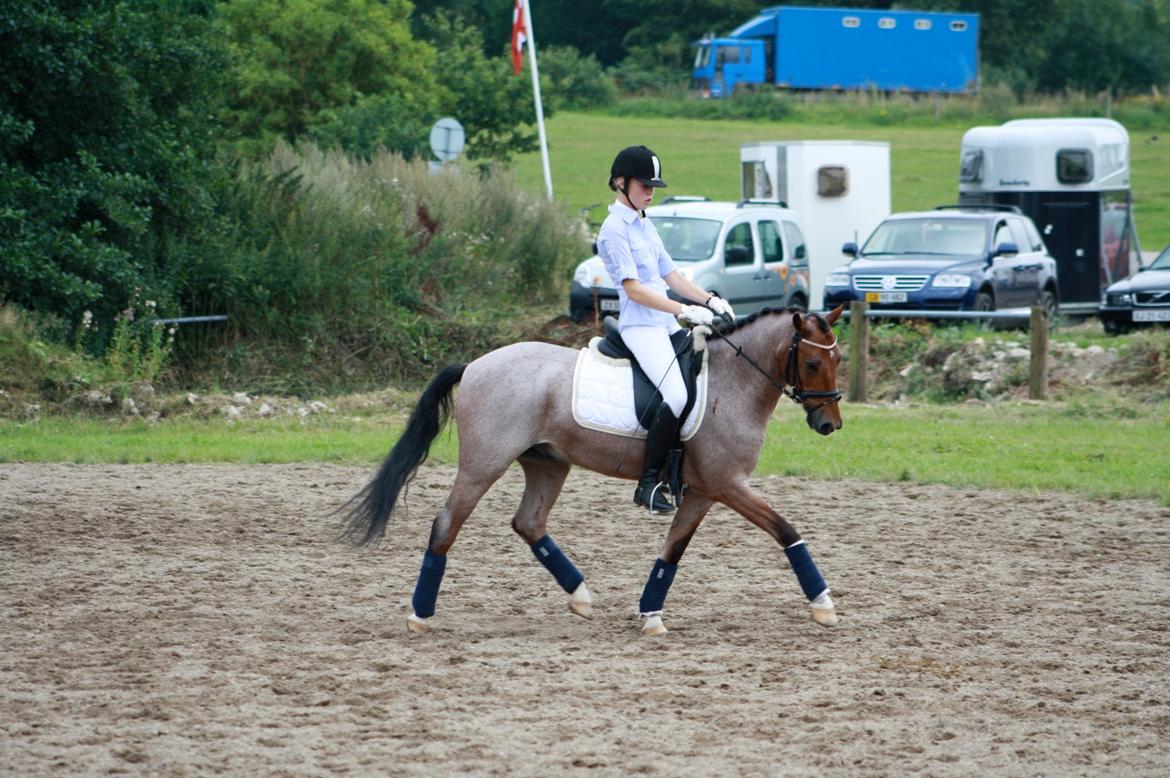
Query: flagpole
(531, 42)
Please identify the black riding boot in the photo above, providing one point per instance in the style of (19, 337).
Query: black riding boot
(659, 440)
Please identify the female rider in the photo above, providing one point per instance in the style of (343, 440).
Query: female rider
(637, 261)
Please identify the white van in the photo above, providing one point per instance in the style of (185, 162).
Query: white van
(751, 253)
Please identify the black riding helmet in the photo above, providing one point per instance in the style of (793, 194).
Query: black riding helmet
(637, 162)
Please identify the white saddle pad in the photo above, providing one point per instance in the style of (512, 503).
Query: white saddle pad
(603, 395)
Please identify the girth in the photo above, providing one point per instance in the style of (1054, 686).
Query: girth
(647, 398)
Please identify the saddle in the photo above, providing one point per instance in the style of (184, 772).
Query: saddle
(647, 398)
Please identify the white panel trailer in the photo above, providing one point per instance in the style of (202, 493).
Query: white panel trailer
(841, 188)
(1071, 176)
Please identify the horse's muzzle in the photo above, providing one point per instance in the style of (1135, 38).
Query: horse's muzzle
(823, 422)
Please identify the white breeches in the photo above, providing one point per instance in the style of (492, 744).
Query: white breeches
(652, 347)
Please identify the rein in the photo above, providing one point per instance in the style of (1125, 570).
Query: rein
(798, 394)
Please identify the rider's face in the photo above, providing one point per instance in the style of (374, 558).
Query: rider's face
(640, 194)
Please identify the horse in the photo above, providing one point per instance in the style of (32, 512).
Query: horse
(514, 405)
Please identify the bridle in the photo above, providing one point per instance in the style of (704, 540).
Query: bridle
(798, 394)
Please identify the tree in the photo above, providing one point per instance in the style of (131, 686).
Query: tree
(106, 140)
(299, 62)
(495, 107)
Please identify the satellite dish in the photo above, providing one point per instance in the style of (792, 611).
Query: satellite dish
(447, 139)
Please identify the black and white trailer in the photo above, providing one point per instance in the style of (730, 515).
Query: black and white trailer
(1071, 176)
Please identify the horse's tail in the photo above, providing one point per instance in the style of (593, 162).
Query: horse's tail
(367, 513)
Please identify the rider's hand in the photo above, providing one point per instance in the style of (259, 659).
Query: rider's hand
(695, 315)
(720, 306)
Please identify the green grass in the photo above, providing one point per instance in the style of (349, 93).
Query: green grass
(702, 157)
(1099, 449)
(253, 441)
(1105, 448)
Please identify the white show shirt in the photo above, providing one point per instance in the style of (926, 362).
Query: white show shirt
(629, 247)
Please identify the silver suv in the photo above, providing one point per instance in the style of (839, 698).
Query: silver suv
(750, 253)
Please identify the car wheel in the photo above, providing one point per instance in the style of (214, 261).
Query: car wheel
(1048, 303)
(984, 302)
(1114, 328)
(798, 303)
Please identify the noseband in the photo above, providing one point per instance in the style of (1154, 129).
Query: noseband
(798, 394)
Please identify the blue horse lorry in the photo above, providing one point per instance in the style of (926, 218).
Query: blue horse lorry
(843, 48)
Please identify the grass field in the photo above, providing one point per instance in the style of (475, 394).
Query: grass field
(702, 157)
(1105, 449)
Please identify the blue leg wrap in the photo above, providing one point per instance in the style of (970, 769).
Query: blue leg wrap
(806, 570)
(426, 591)
(654, 595)
(551, 556)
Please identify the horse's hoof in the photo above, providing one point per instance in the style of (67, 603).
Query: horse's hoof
(581, 603)
(653, 627)
(417, 625)
(826, 617)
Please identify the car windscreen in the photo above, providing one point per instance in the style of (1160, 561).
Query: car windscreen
(687, 239)
(927, 236)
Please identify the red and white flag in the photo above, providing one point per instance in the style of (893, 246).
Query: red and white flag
(519, 37)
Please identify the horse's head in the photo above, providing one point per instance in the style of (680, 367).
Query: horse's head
(810, 368)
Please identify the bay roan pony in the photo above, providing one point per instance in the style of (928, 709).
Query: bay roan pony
(514, 405)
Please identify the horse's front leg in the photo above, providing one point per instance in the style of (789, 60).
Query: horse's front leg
(743, 500)
(682, 529)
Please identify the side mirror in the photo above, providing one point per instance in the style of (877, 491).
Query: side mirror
(800, 252)
(1006, 250)
(736, 255)
(849, 250)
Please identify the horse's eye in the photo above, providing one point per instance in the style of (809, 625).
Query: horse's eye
(813, 365)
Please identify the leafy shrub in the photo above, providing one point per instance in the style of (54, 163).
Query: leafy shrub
(573, 82)
(343, 273)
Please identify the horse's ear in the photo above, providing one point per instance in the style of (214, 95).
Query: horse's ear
(797, 321)
(835, 314)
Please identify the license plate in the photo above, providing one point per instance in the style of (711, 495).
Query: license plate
(1151, 315)
(609, 305)
(885, 297)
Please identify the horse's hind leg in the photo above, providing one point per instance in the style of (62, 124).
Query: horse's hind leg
(682, 529)
(470, 485)
(545, 471)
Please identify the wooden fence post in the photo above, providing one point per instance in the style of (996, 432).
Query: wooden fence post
(858, 350)
(1038, 368)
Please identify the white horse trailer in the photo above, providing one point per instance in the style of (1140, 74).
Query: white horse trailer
(1071, 176)
(841, 189)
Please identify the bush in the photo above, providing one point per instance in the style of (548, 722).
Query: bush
(343, 273)
(570, 81)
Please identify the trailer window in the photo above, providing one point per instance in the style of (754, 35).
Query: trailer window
(958, 25)
(832, 181)
(887, 23)
(922, 24)
(852, 22)
(1074, 166)
(796, 241)
(971, 167)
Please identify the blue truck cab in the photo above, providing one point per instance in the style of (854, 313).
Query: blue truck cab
(723, 63)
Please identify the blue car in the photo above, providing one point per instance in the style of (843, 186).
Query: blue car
(949, 259)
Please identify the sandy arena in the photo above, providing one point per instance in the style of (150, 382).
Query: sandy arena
(186, 620)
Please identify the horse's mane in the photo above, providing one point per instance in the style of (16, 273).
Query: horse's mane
(726, 328)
